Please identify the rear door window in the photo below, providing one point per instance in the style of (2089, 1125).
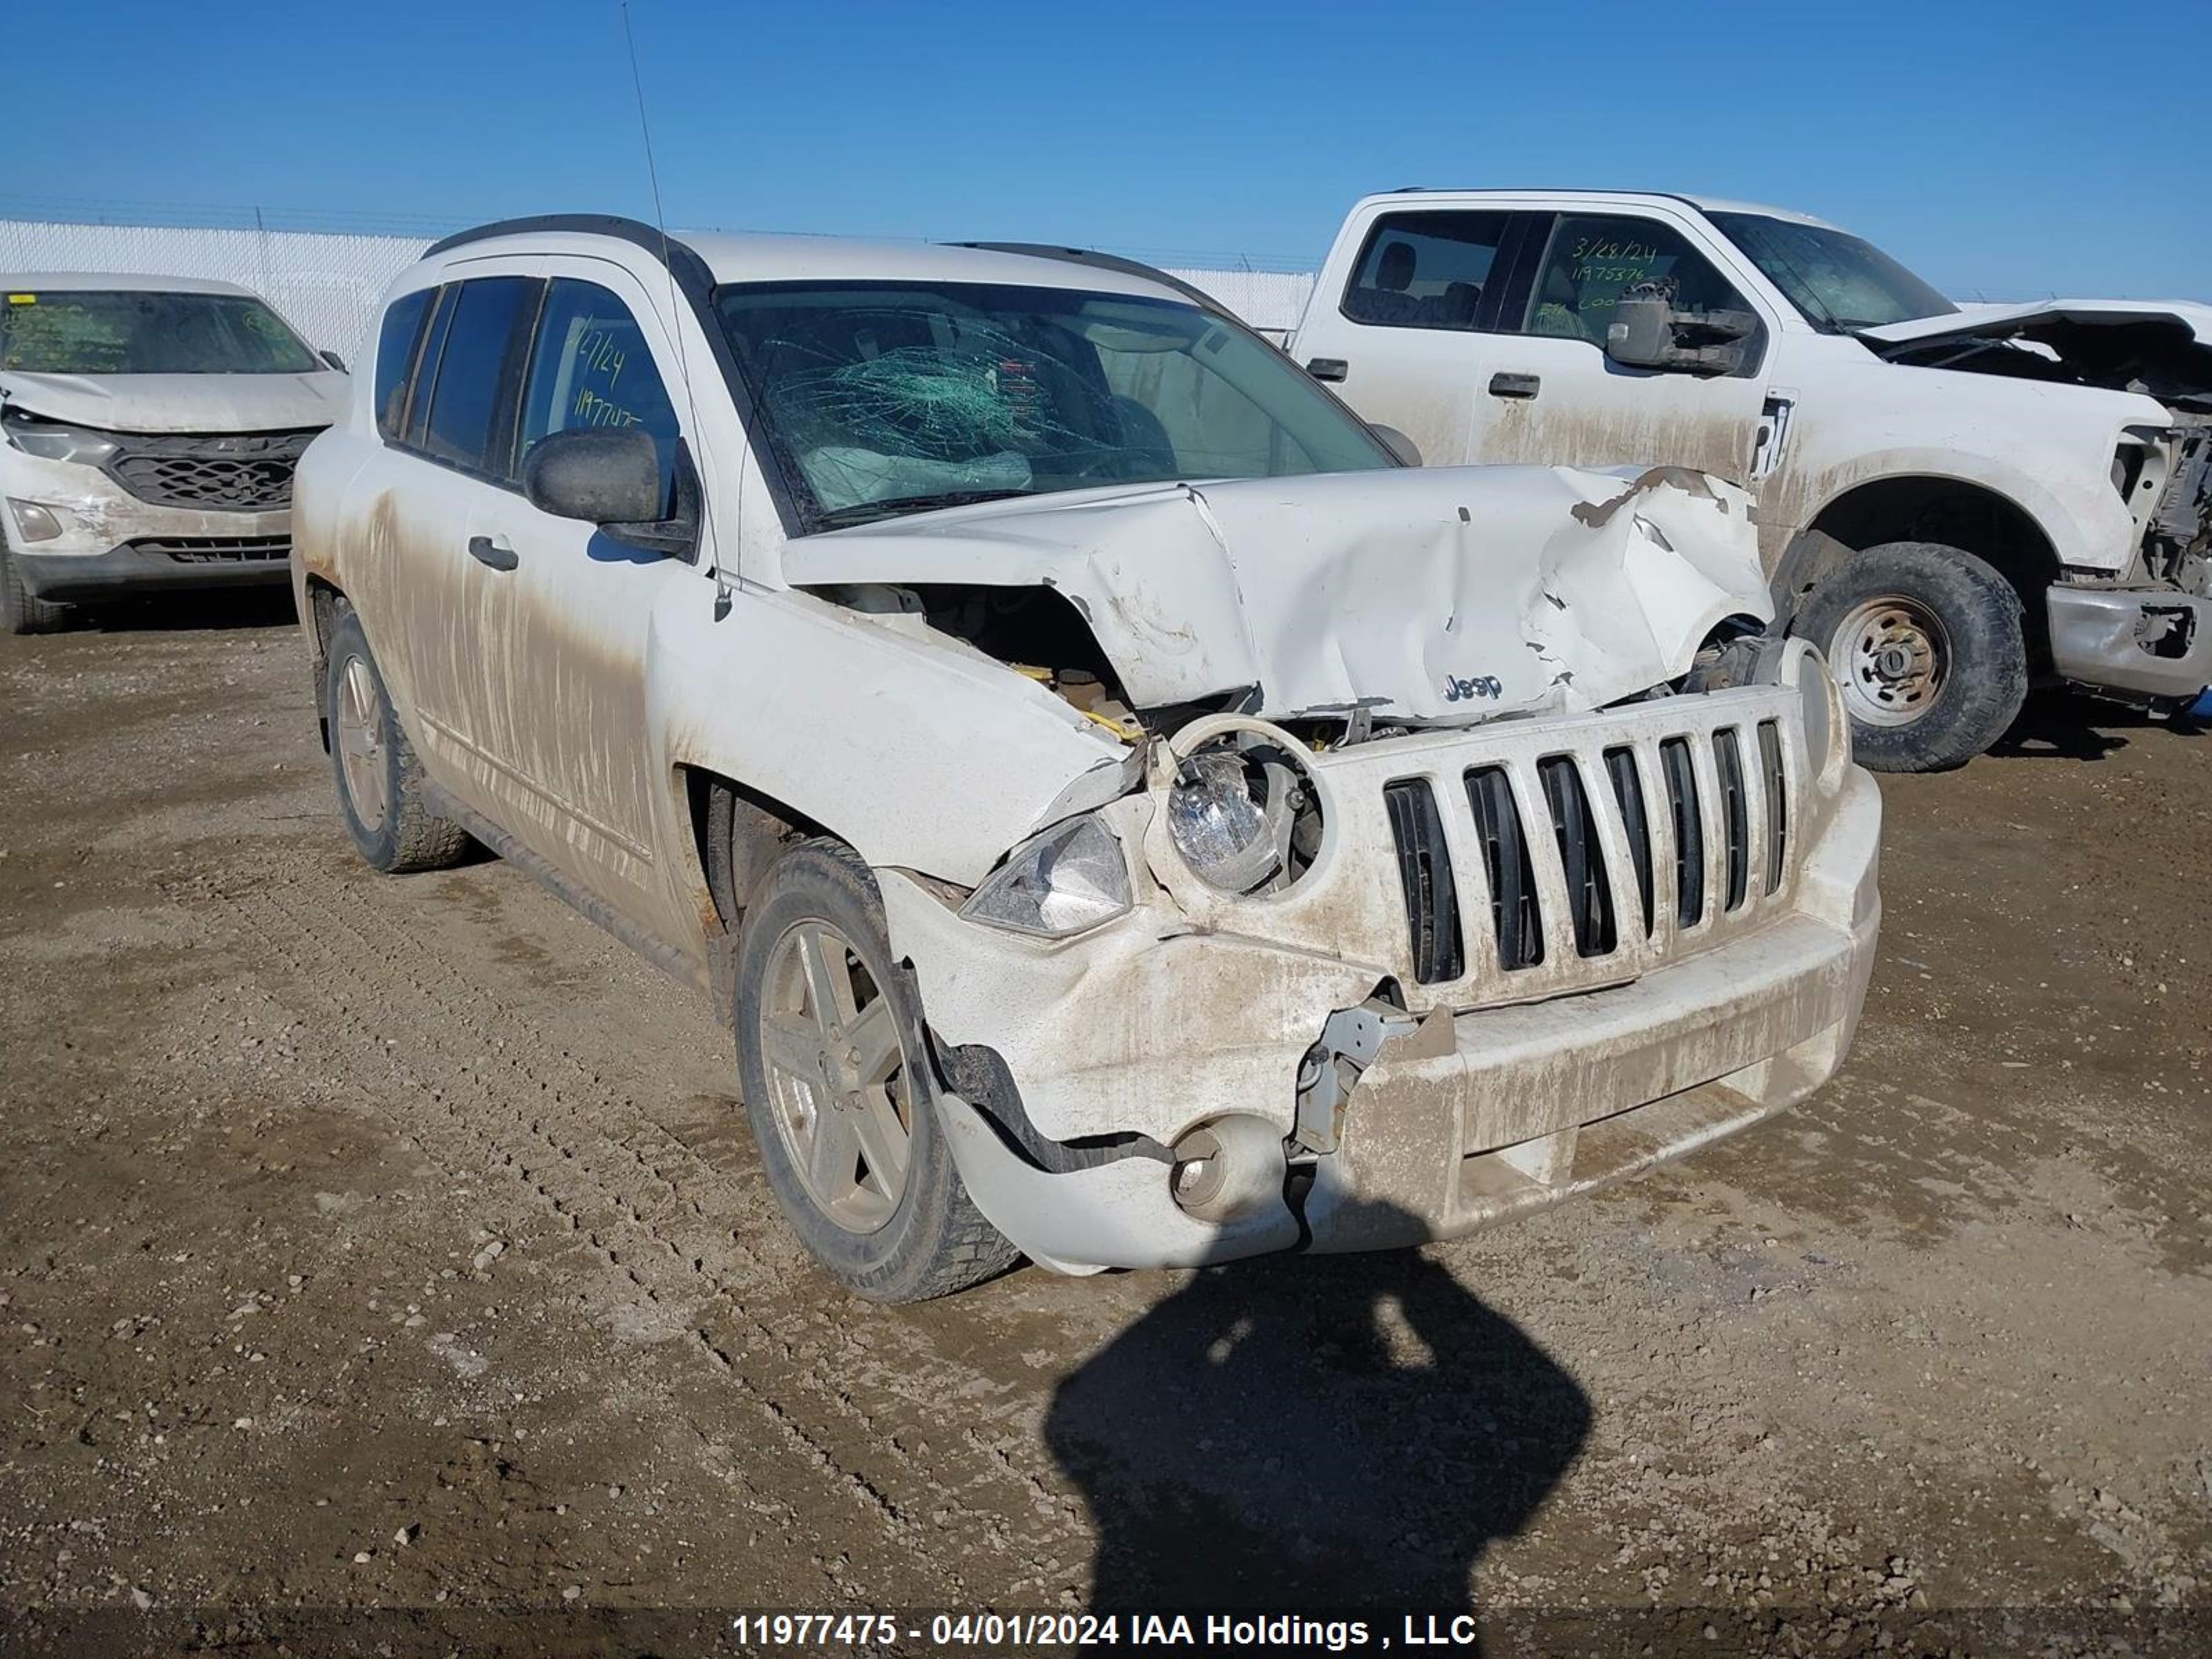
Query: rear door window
(1595, 259)
(1432, 269)
(591, 367)
(472, 419)
(396, 340)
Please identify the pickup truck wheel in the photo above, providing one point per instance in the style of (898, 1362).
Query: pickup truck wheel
(22, 611)
(1926, 641)
(381, 794)
(838, 1087)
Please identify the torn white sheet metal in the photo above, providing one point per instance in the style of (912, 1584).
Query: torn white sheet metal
(1448, 596)
(2016, 321)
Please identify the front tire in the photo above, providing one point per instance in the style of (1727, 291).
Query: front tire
(1928, 643)
(22, 611)
(382, 794)
(837, 1085)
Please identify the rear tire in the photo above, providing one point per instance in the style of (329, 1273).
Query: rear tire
(382, 794)
(1928, 645)
(22, 611)
(833, 1062)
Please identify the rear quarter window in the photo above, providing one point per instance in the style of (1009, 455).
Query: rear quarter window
(397, 338)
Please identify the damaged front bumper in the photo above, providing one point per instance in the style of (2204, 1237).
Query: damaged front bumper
(2144, 643)
(1197, 1021)
(78, 536)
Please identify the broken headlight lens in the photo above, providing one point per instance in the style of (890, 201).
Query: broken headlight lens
(1054, 885)
(51, 440)
(1242, 814)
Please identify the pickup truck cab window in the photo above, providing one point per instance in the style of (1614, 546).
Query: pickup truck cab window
(883, 399)
(1427, 271)
(591, 367)
(1595, 259)
(1840, 282)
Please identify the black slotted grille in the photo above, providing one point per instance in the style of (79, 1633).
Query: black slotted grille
(1582, 855)
(225, 471)
(1689, 831)
(1735, 814)
(217, 550)
(1424, 872)
(1778, 804)
(1721, 788)
(1635, 823)
(1515, 915)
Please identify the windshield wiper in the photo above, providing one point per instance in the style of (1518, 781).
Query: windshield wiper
(841, 518)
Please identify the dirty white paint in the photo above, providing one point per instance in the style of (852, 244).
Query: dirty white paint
(1503, 615)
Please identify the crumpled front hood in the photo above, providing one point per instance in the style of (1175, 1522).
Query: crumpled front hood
(2024, 321)
(181, 403)
(1442, 595)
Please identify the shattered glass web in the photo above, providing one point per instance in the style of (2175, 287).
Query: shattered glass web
(913, 419)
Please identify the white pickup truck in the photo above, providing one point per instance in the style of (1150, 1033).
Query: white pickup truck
(1953, 504)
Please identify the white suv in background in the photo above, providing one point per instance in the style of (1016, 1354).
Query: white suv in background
(1953, 504)
(1128, 819)
(149, 430)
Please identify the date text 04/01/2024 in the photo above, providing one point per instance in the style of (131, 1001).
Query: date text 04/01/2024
(1051, 1630)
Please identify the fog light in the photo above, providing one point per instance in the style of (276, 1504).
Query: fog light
(1229, 1169)
(33, 522)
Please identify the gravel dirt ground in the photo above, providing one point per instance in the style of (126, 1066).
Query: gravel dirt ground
(392, 1252)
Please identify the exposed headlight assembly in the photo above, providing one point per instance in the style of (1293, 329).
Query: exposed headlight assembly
(1057, 885)
(52, 441)
(1243, 811)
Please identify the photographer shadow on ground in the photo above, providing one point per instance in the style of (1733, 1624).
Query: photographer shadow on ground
(1312, 1432)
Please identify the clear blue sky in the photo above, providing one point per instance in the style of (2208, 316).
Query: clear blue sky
(2012, 151)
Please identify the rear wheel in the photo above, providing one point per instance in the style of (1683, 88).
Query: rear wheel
(1928, 644)
(382, 794)
(22, 611)
(838, 1087)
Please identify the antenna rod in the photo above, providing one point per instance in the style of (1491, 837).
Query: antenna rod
(722, 584)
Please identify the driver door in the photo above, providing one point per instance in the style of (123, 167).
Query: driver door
(1552, 397)
(563, 683)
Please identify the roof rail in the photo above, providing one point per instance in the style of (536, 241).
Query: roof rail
(1536, 190)
(577, 224)
(1114, 261)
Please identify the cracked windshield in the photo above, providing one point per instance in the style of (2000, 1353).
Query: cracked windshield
(887, 399)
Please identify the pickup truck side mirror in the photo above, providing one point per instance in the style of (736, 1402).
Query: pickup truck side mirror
(1408, 451)
(334, 360)
(1648, 333)
(603, 476)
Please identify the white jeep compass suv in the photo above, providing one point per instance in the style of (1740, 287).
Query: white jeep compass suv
(1126, 816)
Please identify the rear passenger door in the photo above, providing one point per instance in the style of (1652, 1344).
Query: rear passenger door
(1411, 330)
(560, 679)
(1552, 396)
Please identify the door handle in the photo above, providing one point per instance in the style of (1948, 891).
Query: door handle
(1328, 368)
(1514, 385)
(484, 550)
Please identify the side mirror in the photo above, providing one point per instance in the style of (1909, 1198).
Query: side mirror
(1648, 333)
(602, 475)
(1408, 451)
(334, 360)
